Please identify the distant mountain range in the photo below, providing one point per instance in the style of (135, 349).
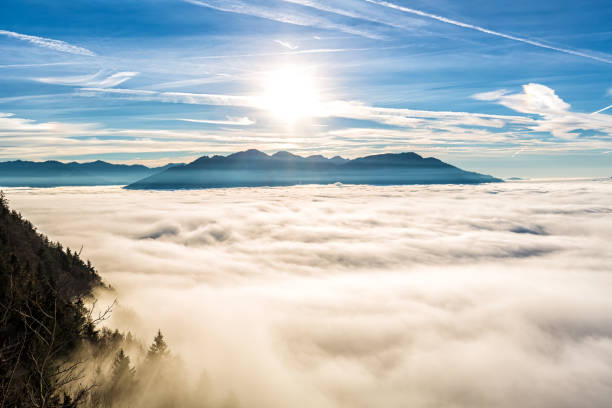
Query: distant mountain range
(252, 168)
(54, 173)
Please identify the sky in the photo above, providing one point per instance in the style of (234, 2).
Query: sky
(509, 88)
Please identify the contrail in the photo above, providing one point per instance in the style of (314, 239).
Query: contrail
(57, 45)
(484, 30)
(601, 110)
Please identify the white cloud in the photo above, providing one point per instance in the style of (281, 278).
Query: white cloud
(416, 118)
(243, 121)
(11, 123)
(99, 79)
(345, 109)
(357, 296)
(535, 98)
(606, 59)
(295, 52)
(56, 45)
(556, 117)
(603, 110)
(274, 14)
(542, 110)
(176, 97)
(359, 11)
(286, 44)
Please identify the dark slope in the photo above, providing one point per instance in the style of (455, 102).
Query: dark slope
(253, 168)
(42, 317)
(54, 173)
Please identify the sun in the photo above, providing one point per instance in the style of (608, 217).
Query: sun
(291, 94)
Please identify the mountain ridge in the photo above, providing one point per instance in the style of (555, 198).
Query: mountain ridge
(252, 168)
(53, 173)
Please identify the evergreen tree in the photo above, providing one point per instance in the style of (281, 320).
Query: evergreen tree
(121, 368)
(159, 348)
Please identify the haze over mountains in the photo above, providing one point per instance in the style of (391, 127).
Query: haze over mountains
(53, 173)
(252, 168)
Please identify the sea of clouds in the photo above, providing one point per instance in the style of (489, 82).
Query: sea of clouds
(496, 295)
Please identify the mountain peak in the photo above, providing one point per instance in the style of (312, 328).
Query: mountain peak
(250, 154)
(316, 157)
(285, 155)
(338, 160)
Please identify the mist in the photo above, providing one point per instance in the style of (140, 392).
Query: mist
(359, 296)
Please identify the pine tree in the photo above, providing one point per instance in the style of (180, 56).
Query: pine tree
(159, 348)
(121, 367)
(123, 380)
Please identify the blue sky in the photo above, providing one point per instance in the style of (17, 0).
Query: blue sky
(506, 87)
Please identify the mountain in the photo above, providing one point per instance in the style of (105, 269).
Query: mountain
(251, 168)
(54, 173)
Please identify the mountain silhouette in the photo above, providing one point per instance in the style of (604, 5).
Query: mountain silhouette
(252, 168)
(53, 173)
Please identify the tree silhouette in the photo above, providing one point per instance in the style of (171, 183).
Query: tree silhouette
(121, 368)
(43, 319)
(159, 348)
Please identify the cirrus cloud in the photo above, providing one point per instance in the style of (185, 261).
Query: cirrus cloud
(56, 45)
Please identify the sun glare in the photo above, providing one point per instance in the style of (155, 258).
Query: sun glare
(291, 94)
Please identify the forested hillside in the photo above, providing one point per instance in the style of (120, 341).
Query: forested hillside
(54, 352)
(42, 315)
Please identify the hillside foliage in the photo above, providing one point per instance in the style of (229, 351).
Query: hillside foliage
(54, 350)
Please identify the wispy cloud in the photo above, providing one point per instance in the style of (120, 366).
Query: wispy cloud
(298, 52)
(358, 12)
(243, 121)
(603, 110)
(176, 97)
(286, 44)
(439, 131)
(56, 45)
(11, 123)
(607, 60)
(48, 64)
(336, 108)
(555, 113)
(535, 98)
(293, 17)
(217, 78)
(98, 79)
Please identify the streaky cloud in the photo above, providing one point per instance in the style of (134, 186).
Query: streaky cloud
(248, 8)
(96, 80)
(487, 31)
(179, 97)
(244, 121)
(602, 110)
(286, 44)
(347, 13)
(556, 116)
(298, 52)
(56, 45)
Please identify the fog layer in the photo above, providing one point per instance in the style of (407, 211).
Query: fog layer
(355, 296)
